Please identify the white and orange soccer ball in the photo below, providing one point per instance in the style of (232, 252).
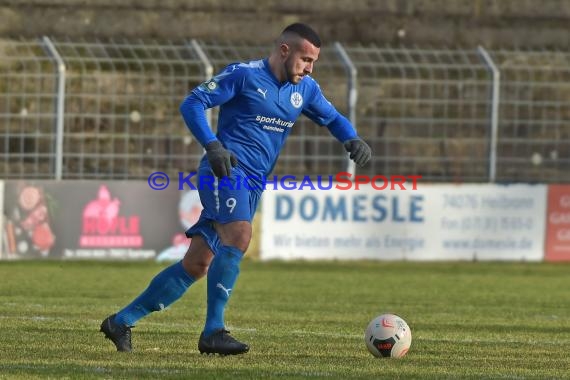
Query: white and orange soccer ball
(388, 336)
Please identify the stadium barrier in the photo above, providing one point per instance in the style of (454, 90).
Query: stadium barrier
(127, 220)
(117, 220)
(2, 231)
(557, 245)
(434, 222)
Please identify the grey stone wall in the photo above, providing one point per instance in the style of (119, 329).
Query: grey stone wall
(492, 23)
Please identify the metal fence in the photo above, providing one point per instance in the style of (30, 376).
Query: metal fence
(534, 116)
(109, 109)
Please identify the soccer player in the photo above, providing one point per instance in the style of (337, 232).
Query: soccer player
(259, 102)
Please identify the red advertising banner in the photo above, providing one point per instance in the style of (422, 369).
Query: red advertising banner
(557, 247)
(96, 220)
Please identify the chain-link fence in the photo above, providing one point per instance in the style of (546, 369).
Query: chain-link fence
(425, 111)
(109, 109)
(534, 132)
(27, 112)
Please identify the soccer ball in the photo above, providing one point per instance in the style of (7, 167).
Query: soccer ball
(388, 336)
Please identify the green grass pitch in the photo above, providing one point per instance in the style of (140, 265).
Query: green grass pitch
(301, 319)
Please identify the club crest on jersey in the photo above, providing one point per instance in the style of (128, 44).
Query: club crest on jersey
(296, 100)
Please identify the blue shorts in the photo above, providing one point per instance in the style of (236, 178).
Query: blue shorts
(227, 200)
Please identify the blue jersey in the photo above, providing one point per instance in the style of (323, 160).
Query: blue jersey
(257, 112)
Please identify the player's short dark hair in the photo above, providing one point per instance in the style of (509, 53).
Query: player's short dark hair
(304, 31)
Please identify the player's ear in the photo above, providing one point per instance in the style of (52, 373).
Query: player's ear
(284, 49)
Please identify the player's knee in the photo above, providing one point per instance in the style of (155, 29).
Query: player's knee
(197, 259)
(241, 244)
(236, 234)
(195, 266)
(197, 269)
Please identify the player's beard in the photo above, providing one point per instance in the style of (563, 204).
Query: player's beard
(292, 77)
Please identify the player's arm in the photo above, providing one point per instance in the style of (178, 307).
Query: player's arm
(322, 112)
(216, 91)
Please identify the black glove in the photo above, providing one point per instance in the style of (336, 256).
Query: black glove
(359, 151)
(221, 160)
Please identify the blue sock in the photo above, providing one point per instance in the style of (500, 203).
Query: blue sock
(222, 276)
(164, 289)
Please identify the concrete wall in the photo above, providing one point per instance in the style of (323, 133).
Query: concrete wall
(493, 23)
